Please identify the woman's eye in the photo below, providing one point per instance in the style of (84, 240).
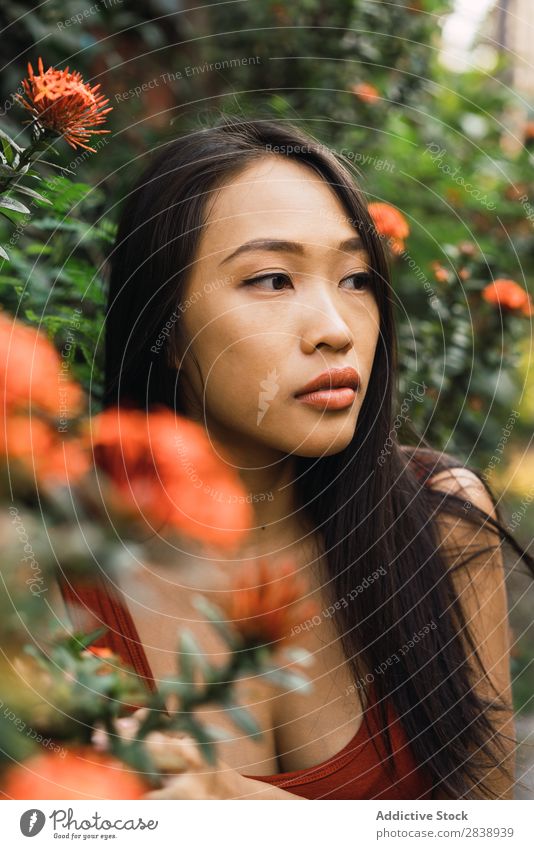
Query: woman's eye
(362, 280)
(279, 281)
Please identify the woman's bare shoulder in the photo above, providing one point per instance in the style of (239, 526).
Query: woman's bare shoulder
(464, 482)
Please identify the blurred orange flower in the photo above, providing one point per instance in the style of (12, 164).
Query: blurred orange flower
(475, 403)
(63, 103)
(509, 295)
(267, 600)
(38, 447)
(81, 772)
(391, 223)
(105, 654)
(467, 248)
(164, 467)
(453, 195)
(99, 652)
(31, 372)
(440, 272)
(366, 92)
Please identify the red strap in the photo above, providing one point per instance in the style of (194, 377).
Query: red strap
(102, 600)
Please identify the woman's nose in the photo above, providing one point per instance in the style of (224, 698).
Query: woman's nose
(322, 324)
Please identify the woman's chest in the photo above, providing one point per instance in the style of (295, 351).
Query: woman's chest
(313, 726)
(161, 615)
(300, 728)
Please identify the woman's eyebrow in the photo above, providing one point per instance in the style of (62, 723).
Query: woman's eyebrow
(354, 243)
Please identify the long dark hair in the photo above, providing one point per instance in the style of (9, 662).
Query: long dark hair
(367, 505)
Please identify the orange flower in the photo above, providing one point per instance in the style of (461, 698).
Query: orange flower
(266, 601)
(366, 92)
(440, 273)
(77, 773)
(63, 103)
(105, 655)
(31, 373)
(38, 447)
(475, 403)
(164, 467)
(281, 14)
(99, 651)
(390, 223)
(453, 195)
(509, 295)
(467, 248)
(515, 191)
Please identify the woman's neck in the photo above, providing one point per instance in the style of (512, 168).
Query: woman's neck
(278, 525)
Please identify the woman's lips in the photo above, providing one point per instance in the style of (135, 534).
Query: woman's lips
(329, 399)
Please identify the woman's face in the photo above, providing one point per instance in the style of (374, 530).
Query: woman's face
(311, 309)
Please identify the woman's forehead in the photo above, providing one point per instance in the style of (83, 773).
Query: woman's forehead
(278, 185)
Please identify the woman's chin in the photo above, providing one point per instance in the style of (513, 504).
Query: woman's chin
(319, 446)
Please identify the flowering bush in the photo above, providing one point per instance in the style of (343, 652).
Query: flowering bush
(142, 464)
(61, 105)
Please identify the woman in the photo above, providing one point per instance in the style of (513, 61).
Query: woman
(249, 291)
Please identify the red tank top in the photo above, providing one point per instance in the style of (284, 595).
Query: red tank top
(357, 771)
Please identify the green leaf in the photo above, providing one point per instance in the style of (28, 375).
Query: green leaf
(15, 205)
(187, 652)
(287, 680)
(66, 194)
(175, 686)
(9, 154)
(38, 654)
(38, 249)
(205, 742)
(5, 138)
(81, 640)
(216, 617)
(299, 655)
(81, 228)
(191, 655)
(3, 253)
(6, 171)
(217, 733)
(55, 165)
(243, 719)
(25, 191)
(5, 215)
(31, 315)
